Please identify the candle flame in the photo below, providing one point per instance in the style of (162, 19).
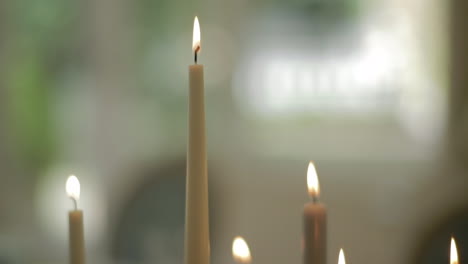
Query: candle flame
(453, 252)
(196, 47)
(312, 181)
(73, 187)
(240, 250)
(341, 258)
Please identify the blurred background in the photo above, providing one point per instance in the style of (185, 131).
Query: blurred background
(372, 90)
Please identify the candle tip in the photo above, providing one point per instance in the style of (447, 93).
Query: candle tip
(312, 181)
(453, 252)
(72, 187)
(241, 251)
(196, 42)
(341, 257)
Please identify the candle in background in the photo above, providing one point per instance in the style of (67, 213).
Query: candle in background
(453, 252)
(315, 223)
(241, 251)
(341, 258)
(75, 218)
(197, 244)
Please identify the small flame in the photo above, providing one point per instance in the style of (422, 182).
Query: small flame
(312, 181)
(73, 187)
(453, 252)
(196, 47)
(240, 251)
(341, 258)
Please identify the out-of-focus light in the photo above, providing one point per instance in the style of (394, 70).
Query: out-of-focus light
(196, 43)
(241, 251)
(376, 60)
(305, 79)
(72, 187)
(279, 85)
(341, 258)
(287, 86)
(312, 181)
(324, 80)
(453, 252)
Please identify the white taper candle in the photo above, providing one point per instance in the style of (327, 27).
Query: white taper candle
(197, 242)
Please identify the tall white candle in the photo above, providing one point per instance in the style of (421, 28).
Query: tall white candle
(75, 218)
(197, 243)
(315, 223)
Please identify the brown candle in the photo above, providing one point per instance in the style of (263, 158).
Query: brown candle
(315, 223)
(77, 248)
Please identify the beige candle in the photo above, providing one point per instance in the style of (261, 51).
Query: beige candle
(75, 218)
(315, 223)
(197, 243)
(453, 252)
(241, 251)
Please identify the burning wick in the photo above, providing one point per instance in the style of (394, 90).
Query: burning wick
(72, 188)
(241, 251)
(312, 182)
(453, 252)
(196, 54)
(196, 43)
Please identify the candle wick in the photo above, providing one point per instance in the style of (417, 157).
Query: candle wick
(315, 199)
(75, 203)
(196, 54)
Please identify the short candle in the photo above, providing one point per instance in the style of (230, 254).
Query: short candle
(75, 219)
(315, 223)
